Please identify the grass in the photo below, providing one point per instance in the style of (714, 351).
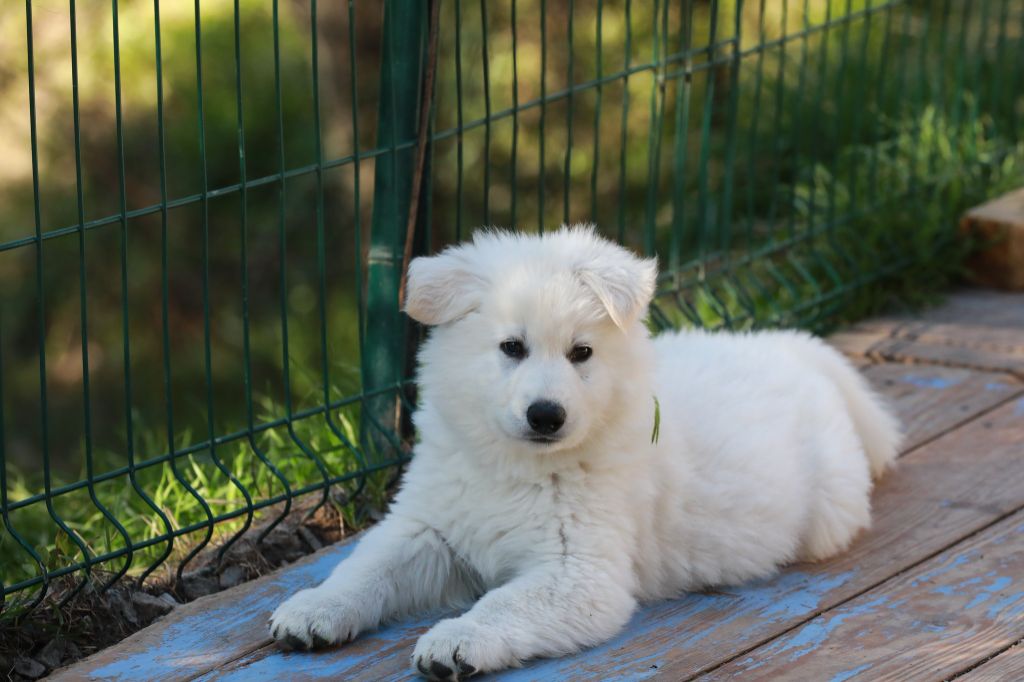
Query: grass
(217, 487)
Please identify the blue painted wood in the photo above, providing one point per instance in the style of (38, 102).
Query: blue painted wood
(384, 655)
(921, 380)
(197, 632)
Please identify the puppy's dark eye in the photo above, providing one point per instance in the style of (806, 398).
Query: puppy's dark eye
(514, 348)
(580, 354)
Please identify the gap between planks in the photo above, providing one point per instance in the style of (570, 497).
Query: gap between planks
(1006, 665)
(934, 400)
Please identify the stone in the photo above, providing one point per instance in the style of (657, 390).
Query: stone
(231, 576)
(149, 607)
(53, 654)
(28, 667)
(121, 603)
(71, 653)
(169, 599)
(199, 584)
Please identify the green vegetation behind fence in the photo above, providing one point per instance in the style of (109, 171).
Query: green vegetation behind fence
(204, 210)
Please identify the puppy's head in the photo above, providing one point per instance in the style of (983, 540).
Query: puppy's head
(535, 338)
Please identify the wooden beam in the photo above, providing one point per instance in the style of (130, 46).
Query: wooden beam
(998, 228)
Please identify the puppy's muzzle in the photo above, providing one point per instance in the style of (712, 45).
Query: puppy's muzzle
(545, 418)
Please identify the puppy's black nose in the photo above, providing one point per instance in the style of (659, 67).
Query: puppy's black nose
(545, 417)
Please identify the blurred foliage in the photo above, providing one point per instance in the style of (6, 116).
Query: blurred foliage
(863, 236)
(267, 211)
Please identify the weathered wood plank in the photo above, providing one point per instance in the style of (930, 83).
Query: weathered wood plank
(915, 352)
(200, 635)
(978, 306)
(998, 225)
(931, 400)
(958, 345)
(929, 502)
(966, 334)
(860, 340)
(1006, 667)
(975, 329)
(948, 613)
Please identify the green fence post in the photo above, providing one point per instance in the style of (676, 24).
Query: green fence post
(383, 351)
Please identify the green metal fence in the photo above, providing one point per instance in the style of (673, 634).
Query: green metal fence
(207, 209)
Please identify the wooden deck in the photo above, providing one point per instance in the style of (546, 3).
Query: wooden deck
(934, 591)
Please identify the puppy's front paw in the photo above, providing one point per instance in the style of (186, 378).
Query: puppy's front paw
(312, 619)
(455, 649)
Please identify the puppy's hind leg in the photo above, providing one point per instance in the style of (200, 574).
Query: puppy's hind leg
(841, 505)
(401, 566)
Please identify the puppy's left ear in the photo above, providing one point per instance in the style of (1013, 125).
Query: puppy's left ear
(442, 288)
(622, 282)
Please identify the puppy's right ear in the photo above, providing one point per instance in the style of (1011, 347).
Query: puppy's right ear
(442, 288)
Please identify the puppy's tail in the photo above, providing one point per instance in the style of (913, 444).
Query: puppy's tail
(879, 431)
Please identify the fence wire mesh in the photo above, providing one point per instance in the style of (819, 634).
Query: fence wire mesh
(205, 209)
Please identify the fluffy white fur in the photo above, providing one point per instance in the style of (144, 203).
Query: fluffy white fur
(768, 443)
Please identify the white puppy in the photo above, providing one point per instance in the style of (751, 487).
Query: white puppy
(539, 490)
